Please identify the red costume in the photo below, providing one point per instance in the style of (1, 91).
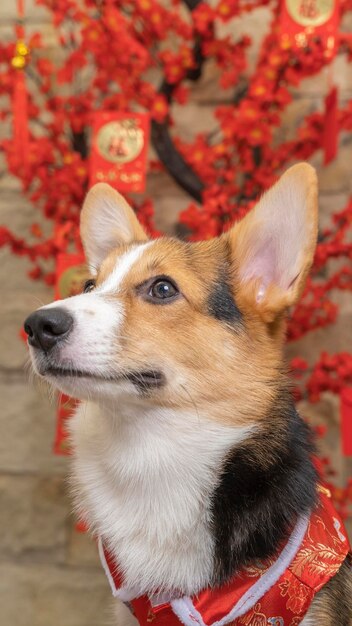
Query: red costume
(277, 593)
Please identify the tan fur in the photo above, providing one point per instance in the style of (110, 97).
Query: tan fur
(202, 376)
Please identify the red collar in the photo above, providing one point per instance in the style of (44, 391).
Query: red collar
(278, 592)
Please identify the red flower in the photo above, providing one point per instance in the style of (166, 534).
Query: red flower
(160, 108)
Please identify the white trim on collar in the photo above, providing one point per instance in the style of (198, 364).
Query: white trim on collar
(184, 608)
(189, 616)
(126, 594)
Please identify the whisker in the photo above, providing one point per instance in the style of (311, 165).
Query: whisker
(192, 401)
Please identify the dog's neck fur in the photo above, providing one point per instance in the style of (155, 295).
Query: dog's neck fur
(184, 502)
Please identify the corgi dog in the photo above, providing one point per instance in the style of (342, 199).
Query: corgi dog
(190, 462)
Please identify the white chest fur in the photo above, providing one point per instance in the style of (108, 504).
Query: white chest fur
(144, 478)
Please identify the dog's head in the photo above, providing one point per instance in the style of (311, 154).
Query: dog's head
(176, 323)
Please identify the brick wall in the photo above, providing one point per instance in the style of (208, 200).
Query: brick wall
(49, 574)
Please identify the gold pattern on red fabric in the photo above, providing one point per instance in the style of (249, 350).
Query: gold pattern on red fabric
(296, 593)
(254, 617)
(319, 557)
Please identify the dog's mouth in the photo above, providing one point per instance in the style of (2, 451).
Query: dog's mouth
(145, 379)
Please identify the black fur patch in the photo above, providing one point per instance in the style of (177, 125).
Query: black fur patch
(221, 304)
(265, 484)
(147, 380)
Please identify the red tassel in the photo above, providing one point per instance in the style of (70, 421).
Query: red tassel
(20, 120)
(330, 138)
(20, 96)
(346, 421)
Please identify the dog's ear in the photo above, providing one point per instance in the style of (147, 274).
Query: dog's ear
(273, 246)
(107, 221)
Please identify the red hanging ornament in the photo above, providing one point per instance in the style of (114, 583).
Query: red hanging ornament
(119, 150)
(330, 137)
(20, 96)
(346, 421)
(301, 20)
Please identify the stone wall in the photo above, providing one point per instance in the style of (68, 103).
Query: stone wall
(49, 573)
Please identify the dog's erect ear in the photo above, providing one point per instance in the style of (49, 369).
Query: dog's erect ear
(274, 244)
(107, 221)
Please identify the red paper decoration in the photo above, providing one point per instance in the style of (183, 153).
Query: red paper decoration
(330, 140)
(301, 20)
(346, 420)
(119, 150)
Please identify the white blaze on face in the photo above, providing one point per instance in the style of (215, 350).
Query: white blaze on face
(122, 268)
(93, 341)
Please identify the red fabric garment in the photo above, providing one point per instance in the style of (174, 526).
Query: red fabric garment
(331, 128)
(260, 594)
(346, 420)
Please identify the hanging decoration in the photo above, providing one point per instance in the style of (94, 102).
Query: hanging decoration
(330, 139)
(304, 21)
(346, 420)
(20, 97)
(119, 150)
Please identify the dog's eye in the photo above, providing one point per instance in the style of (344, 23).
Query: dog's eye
(162, 290)
(88, 285)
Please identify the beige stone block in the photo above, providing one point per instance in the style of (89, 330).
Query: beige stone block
(293, 117)
(8, 182)
(193, 119)
(318, 85)
(332, 339)
(14, 310)
(13, 352)
(22, 294)
(326, 413)
(27, 428)
(33, 12)
(344, 300)
(16, 211)
(169, 200)
(206, 89)
(82, 550)
(7, 24)
(329, 204)
(348, 526)
(335, 177)
(255, 24)
(45, 595)
(5, 133)
(38, 20)
(34, 514)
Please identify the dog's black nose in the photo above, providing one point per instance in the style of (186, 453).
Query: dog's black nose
(47, 326)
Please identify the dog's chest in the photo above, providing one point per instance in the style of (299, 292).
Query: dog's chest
(145, 485)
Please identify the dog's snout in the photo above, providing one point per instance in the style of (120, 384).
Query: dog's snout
(47, 326)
